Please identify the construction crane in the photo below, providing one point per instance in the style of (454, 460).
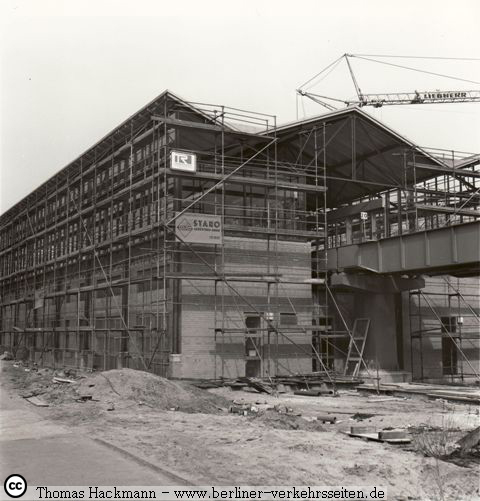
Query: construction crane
(396, 98)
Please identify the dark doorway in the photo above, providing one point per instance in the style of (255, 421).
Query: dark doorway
(253, 368)
(449, 357)
(449, 347)
(253, 346)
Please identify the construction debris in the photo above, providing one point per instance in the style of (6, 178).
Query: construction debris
(255, 383)
(147, 418)
(462, 394)
(62, 380)
(286, 421)
(392, 434)
(388, 436)
(327, 419)
(313, 393)
(243, 409)
(469, 441)
(360, 416)
(84, 398)
(206, 384)
(357, 430)
(38, 402)
(380, 400)
(307, 393)
(305, 384)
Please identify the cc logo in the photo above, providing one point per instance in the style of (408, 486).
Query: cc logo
(15, 486)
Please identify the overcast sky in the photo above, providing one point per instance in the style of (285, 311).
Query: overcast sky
(73, 70)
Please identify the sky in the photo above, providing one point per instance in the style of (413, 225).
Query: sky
(73, 70)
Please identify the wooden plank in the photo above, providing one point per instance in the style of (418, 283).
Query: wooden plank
(38, 402)
(462, 395)
(456, 398)
(374, 437)
(62, 380)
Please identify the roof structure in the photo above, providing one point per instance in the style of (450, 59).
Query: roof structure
(363, 155)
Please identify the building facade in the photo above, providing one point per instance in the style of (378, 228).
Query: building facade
(192, 241)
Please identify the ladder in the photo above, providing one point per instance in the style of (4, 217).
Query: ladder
(356, 347)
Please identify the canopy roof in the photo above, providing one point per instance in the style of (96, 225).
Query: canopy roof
(362, 155)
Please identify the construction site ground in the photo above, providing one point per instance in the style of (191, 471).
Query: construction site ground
(189, 433)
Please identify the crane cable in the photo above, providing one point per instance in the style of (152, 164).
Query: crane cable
(320, 72)
(415, 69)
(324, 76)
(419, 57)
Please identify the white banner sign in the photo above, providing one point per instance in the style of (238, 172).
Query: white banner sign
(179, 160)
(199, 228)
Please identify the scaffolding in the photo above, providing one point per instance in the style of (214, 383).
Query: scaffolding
(444, 319)
(427, 197)
(96, 275)
(445, 330)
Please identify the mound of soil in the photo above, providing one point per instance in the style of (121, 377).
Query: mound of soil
(281, 421)
(131, 387)
(149, 389)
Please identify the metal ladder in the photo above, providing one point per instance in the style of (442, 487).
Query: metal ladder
(356, 347)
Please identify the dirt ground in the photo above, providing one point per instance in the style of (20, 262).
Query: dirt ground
(190, 431)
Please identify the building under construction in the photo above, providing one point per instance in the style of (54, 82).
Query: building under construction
(201, 241)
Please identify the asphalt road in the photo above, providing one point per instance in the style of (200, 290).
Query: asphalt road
(46, 453)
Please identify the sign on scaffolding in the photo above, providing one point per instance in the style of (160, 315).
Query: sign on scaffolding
(199, 228)
(180, 160)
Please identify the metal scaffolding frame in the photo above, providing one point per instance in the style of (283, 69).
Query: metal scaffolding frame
(67, 286)
(449, 196)
(93, 272)
(439, 316)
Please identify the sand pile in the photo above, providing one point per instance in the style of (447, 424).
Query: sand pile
(131, 387)
(283, 421)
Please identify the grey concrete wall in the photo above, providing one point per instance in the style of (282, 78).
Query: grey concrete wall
(381, 345)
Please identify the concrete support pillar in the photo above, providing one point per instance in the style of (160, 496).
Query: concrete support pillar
(381, 299)
(348, 230)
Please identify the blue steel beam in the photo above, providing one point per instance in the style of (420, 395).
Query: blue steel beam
(450, 249)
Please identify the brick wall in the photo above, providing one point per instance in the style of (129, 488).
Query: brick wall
(208, 354)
